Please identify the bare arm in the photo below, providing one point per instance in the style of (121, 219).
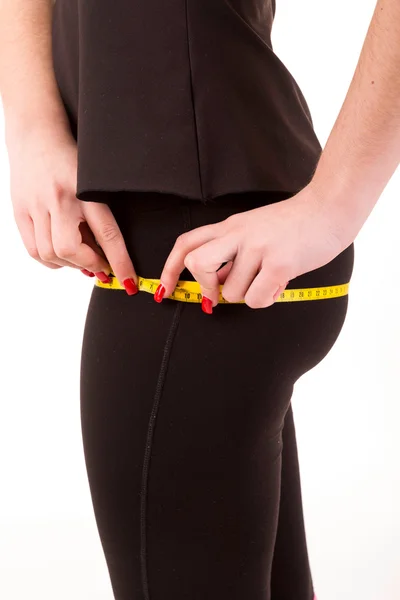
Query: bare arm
(57, 229)
(28, 87)
(363, 149)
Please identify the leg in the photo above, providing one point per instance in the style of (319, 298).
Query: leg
(291, 576)
(182, 417)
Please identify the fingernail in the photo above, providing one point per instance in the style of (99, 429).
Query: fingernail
(130, 286)
(206, 305)
(88, 273)
(103, 277)
(159, 293)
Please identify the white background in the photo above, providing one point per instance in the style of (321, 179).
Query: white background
(347, 408)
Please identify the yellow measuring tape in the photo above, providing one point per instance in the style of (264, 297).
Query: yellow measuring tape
(190, 291)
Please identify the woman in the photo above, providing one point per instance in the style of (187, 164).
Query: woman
(167, 141)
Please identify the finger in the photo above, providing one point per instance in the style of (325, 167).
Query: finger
(245, 268)
(176, 260)
(89, 239)
(69, 245)
(203, 263)
(224, 271)
(262, 290)
(27, 232)
(44, 243)
(108, 234)
(279, 291)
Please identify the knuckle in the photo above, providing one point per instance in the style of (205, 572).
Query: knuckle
(278, 268)
(57, 190)
(254, 302)
(109, 233)
(33, 252)
(47, 254)
(37, 206)
(65, 250)
(181, 240)
(280, 272)
(231, 296)
(191, 262)
(232, 220)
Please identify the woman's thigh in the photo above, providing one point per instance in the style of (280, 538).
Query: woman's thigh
(182, 416)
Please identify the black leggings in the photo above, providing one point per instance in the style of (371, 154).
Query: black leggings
(194, 478)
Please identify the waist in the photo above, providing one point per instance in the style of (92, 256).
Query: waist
(150, 222)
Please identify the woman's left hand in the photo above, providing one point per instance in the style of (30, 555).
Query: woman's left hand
(264, 247)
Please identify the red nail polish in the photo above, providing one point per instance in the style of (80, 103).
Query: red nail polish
(206, 305)
(159, 293)
(88, 273)
(130, 286)
(103, 277)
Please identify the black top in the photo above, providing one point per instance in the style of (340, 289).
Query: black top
(180, 96)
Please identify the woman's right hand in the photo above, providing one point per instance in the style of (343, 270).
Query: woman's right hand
(56, 227)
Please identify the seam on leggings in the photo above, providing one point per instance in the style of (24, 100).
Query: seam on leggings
(150, 430)
(149, 439)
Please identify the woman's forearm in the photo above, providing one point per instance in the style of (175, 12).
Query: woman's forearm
(29, 91)
(363, 149)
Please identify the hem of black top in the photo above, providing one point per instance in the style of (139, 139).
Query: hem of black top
(97, 194)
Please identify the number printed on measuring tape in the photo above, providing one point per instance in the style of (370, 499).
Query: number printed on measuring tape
(190, 291)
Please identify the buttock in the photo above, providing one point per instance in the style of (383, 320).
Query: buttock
(151, 222)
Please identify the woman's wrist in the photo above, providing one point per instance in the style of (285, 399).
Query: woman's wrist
(49, 121)
(346, 206)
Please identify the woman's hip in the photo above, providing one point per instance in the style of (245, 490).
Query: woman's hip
(301, 332)
(258, 348)
(151, 222)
